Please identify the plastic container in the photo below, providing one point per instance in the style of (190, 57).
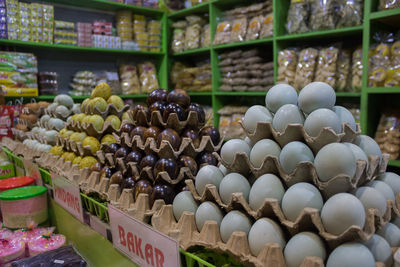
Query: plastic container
(24, 207)
(16, 182)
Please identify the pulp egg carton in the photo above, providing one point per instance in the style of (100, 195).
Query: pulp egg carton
(305, 172)
(9, 143)
(111, 109)
(90, 130)
(28, 124)
(156, 119)
(147, 173)
(38, 112)
(296, 132)
(54, 114)
(18, 134)
(309, 218)
(75, 147)
(186, 232)
(165, 150)
(139, 209)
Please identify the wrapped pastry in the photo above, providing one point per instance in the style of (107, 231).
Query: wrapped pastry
(223, 33)
(306, 66)
(326, 68)
(287, 63)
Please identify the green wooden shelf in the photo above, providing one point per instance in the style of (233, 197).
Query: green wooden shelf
(200, 93)
(244, 44)
(36, 45)
(319, 34)
(394, 163)
(385, 13)
(192, 52)
(383, 90)
(200, 8)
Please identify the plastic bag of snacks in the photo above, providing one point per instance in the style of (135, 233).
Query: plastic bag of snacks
(326, 68)
(388, 4)
(192, 37)
(306, 65)
(223, 33)
(267, 26)
(129, 79)
(148, 77)
(388, 134)
(253, 31)
(343, 70)
(322, 15)
(350, 13)
(356, 70)
(206, 36)
(380, 62)
(238, 32)
(287, 63)
(297, 17)
(178, 36)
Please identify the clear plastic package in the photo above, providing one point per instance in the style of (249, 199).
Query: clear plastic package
(253, 31)
(239, 27)
(267, 27)
(287, 63)
(356, 70)
(322, 15)
(178, 40)
(327, 64)
(343, 70)
(206, 36)
(223, 33)
(306, 66)
(297, 17)
(192, 37)
(388, 4)
(350, 13)
(148, 77)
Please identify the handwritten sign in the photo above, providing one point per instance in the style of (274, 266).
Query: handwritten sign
(32, 170)
(141, 243)
(67, 195)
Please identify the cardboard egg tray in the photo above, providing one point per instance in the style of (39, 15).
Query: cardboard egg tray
(305, 172)
(75, 147)
(27, 123)
(296, 132)
(165, 150)
(156, 119)
(186, 232)
(90, 130)
(38, 112)
(18, 134)
(53, 114)
(110, 110)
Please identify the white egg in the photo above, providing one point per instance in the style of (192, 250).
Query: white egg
(369, 145)
(230, 148)
(384, 189)
(371, 199)
(391, 233)
(280, 95)
(183, 201)
(76, 108)
(262, 149)
(346, 207)
(44, 119)
(52, 107)
(265, 231)
(302, 245)
(292, 154)
(62, 111)
(345, 116)
(334, 159)
(287, 114)
(320, 119)
(56, 123)
(254, 115)
(51, 136)
(358, 153)
(64, 100)
(316, 95)
(35, 130)
(208, 174)
(266, 186)
(248, 141)
(234, 221)
(392, 179)
(380, 249)
(41, 131)
(233, 183)
(298, 197)
(351, 255)
(223, 169)
(207, 211)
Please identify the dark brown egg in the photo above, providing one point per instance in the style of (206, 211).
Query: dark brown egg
(206, 158)
(127, 128)
(174, 108)
(157, 95)
(129, 183)
(148, 161)
(170, 136)
(97, 167)
(180, 97)
(142, 187)
(134, 156)
(201, 115)
(107, 172)
(111, 148)
(157, 106)
(164, 192)
(121, 153)
(138, 131)
(116, 178)
(140, 114)
(151, 132)
(212, 132)
(186, 161)
(193, 135)
(166, 165)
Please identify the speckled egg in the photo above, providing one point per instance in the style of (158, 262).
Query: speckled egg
(287, 114)
(380, 249)
(233, 183)
(280, 95)
(392, 179)
(292, 154)
(351, 255)
(320, 119)
(345, 116)
(302, 245)
(207, 211)
(262, 149)
(369, 145)
(316, 95)
(209, 174)
(371, 199)
(383, 188)
(233, 146)
(254, 115)
(183, 201)
(234, 221)
(265, 186)
(265, 231)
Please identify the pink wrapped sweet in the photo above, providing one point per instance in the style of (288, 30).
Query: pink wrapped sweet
(45, 243)
(11, 250)
(27, 235)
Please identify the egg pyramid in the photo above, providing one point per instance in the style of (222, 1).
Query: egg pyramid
(303, 189)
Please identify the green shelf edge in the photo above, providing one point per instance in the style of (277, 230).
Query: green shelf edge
(192, 52)
(394, 163)
(245, 43)
(190, 10)
(77, 48)
(383, 90)
(385, 13)
(318, 34)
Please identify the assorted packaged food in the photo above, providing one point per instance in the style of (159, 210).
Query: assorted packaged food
(229, 117)
(388, 133)
(82, 83)
(306, 15)
(64, 33)
(340, 68)
(192, 78)
(191, 33)
(245, 70)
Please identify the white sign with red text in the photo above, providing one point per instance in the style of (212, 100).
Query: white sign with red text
(67, 195)
(141, 243)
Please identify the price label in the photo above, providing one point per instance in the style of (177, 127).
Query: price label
(141, 243)
(32, 170)
(67, 195)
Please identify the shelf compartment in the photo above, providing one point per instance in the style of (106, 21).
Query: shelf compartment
(198, 51)
(318, 34)
(243, 44)
(200, 8)
(385, 13)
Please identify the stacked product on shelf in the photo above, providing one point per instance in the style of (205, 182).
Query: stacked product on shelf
(245, 24)
(229, 121)
(3, 20)
(384, 63)
(340, 68)
(191, 33)
(48, 84)
(279, 192)
(83, 83)
(84, 31)
(245, 70)
(388, 134)
(192, 78)
(18, 74)
(137, 79)
(64, 33)
(308, 16)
